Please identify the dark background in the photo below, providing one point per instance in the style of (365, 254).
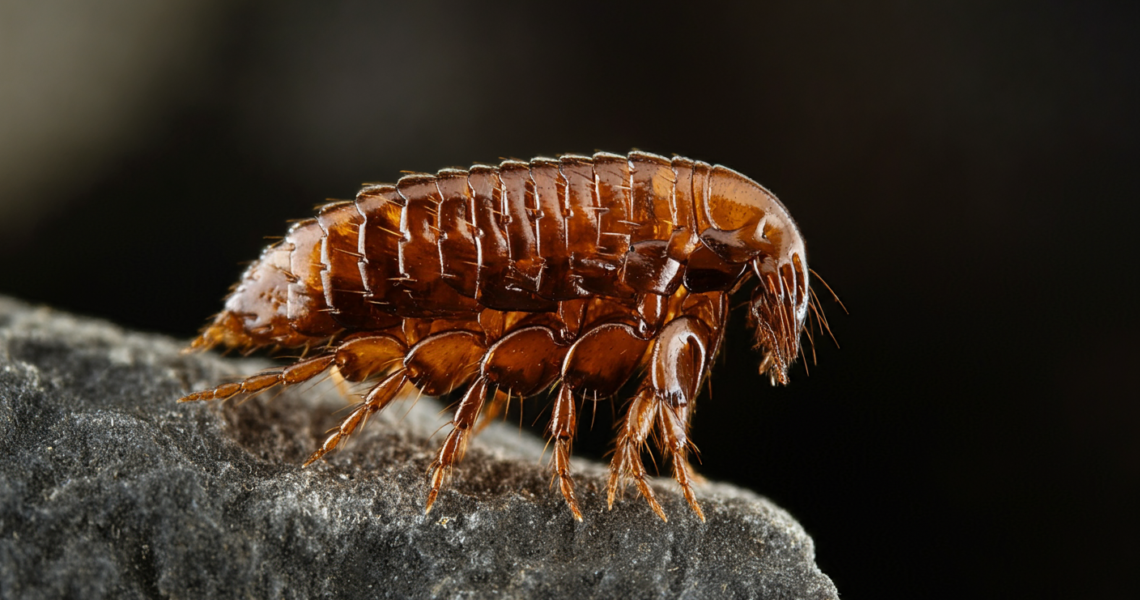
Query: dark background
(964, 174)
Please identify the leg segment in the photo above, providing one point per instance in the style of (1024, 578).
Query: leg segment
(563, 425)
(494, 409)
(675, 441)
(456, 442)
(356, 359)
(676, 366)
(376, 399)
(680, 358)
(522, 363)
(293, 374)
(598, 364)
(632, 434)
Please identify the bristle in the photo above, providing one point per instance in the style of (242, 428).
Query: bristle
(833, 294)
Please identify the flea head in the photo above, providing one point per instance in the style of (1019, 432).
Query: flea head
(748, 223)
(778, 311)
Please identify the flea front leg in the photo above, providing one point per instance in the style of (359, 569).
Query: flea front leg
(632, 434)
(298, 372)
(675, 441)
(665, 401)
(679, 361)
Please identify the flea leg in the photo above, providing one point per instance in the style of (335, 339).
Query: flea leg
(563, 424)
(674, 423)
(680, 358)
(374, 401)
(456, 442)
(494, 410)
(295, 373)
(665, 401)
(632, 434)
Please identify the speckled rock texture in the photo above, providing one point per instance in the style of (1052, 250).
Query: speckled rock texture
(110, 489)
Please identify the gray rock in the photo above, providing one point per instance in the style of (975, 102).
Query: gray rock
(109, 488)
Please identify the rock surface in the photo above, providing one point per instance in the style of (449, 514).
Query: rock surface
(108, 488)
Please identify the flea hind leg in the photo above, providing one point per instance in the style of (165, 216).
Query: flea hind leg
(298, 372)
(357, 360)
(375, 400)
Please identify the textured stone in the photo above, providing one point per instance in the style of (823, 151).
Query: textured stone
(108, 488)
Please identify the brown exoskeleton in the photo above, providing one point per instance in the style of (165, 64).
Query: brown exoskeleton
(577, 272)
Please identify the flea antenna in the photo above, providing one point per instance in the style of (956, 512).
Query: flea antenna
(826, 326)
(833, 294)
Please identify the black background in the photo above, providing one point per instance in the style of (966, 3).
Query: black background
(964, 174)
